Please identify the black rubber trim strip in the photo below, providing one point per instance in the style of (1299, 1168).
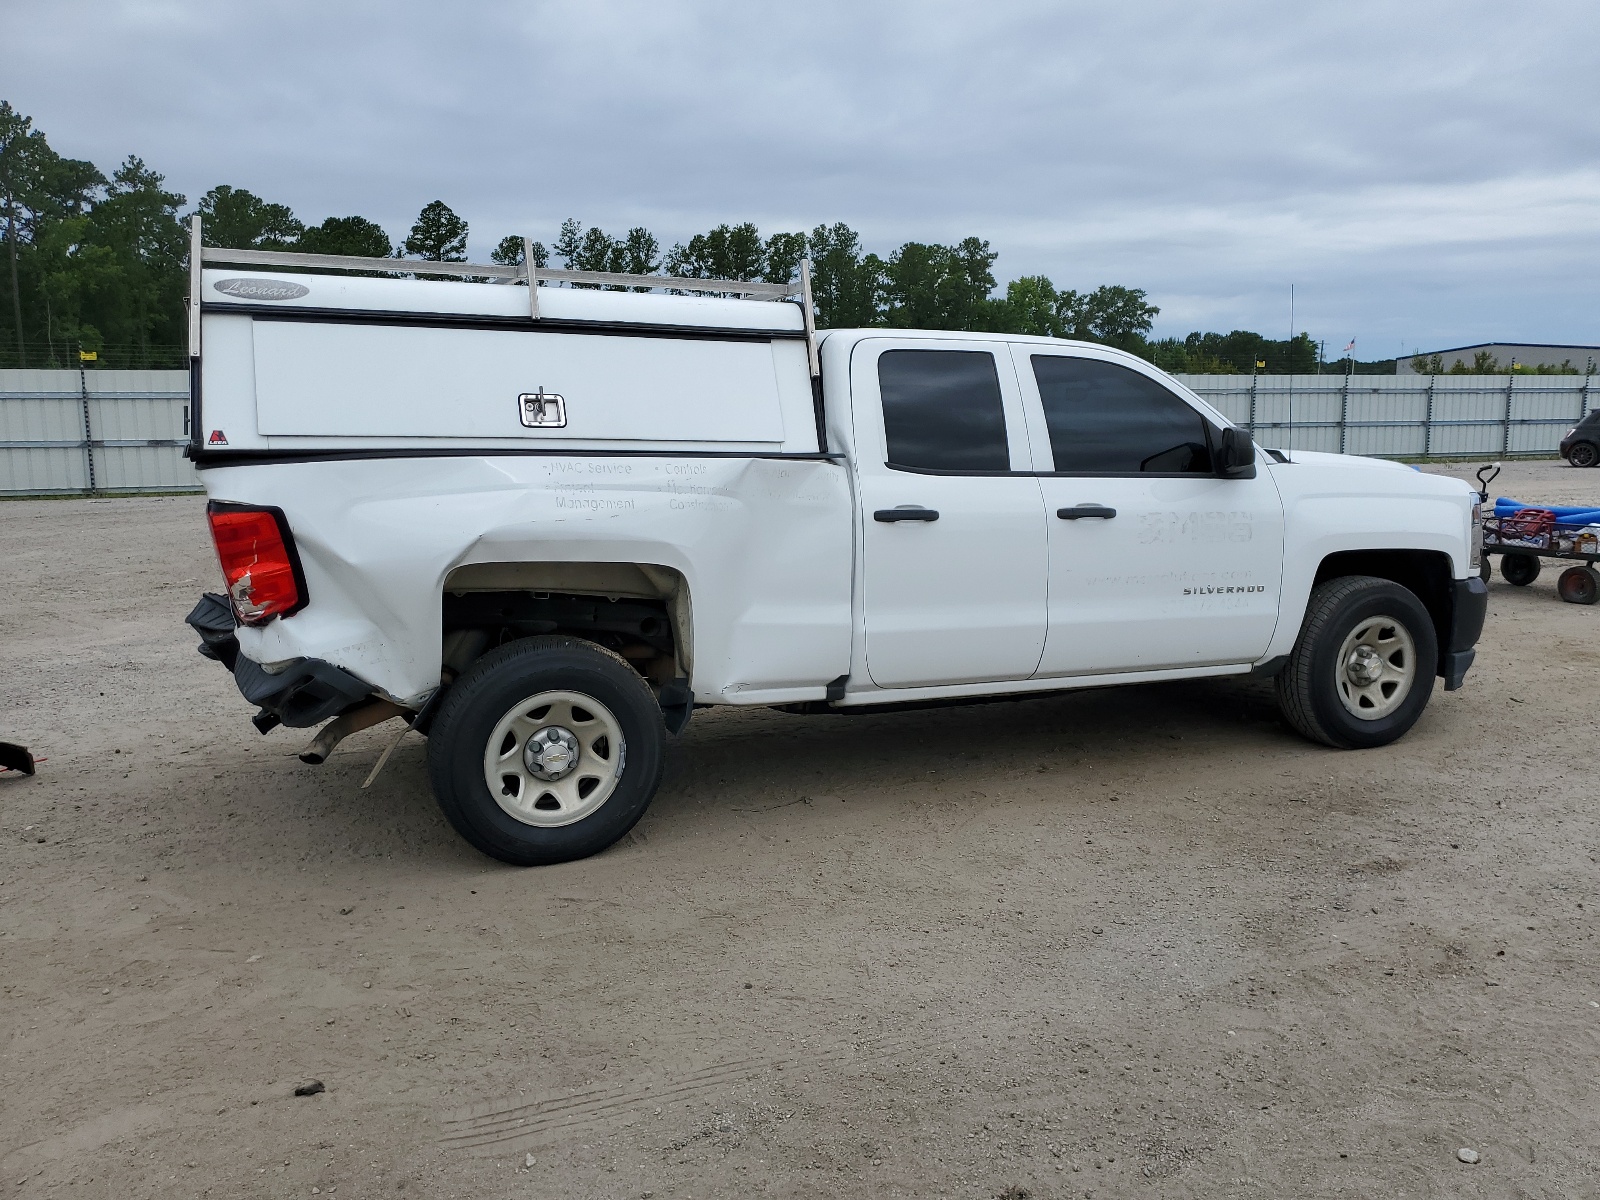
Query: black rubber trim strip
(1454, 665)
(345, 316)
(196, 438)
(1469, 606)
(243, 458)
(820, 410)
(1057, 474)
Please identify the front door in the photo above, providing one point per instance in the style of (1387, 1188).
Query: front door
(1155, 562)
(953, 543)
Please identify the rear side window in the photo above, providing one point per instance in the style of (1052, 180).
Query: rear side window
(942, 410)
(1105, 419)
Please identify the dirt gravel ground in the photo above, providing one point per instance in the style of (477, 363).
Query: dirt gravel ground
(1132, 943)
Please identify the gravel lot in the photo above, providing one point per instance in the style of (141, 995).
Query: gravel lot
(1131, 943)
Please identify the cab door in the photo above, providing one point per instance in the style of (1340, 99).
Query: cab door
(953, 528)
(1155, 561)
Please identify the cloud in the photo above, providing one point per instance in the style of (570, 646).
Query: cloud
(1430, 170)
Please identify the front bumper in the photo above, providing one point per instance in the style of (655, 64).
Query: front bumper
(303, 693)
(1469, 604)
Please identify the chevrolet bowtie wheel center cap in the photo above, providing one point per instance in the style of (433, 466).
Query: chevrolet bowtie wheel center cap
(551, 753)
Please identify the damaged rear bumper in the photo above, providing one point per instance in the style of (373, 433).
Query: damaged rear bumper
(302, 693)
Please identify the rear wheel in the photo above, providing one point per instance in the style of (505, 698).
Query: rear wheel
(1579, 585)
(1520, 569)
(1583, 454)
(548, 749)
(1362, 669)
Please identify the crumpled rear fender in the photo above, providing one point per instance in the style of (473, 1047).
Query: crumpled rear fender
(764, 546)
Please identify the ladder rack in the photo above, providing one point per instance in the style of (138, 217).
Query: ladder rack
(524, 273)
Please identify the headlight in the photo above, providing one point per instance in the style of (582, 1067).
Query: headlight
(1475, 538)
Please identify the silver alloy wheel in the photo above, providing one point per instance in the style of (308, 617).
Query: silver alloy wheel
(554, 759)
(1376, 667)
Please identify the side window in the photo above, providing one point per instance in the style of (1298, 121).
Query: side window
(1106, 419)
(942, 410)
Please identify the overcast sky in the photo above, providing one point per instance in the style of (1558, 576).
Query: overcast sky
(1427, 174)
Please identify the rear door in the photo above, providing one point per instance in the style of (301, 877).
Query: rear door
(1155, 562)
(953, 542)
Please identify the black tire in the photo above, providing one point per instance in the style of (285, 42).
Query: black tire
(1309, 687)
(1486, 569)
(1583, 454)
(490, 690)
(1519, 569)
(1579, 585)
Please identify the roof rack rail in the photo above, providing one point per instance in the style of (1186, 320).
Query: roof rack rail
(525, 273)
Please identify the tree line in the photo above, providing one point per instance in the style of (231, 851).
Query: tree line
(100, 264)
(1485, 363)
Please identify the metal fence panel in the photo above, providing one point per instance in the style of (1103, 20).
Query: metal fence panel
(136, 420)
(1403, 416)
(111, 431)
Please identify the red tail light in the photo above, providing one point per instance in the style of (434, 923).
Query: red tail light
(259, 563)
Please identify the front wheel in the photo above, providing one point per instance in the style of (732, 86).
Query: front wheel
(548, 749)
(1362, 669)
(1583, 454)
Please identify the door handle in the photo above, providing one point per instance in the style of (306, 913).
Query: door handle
(1079, 511)
(906, 512)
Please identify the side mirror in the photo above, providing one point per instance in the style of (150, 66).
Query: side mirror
(1236, 454)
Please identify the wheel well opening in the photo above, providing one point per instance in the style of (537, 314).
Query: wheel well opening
(1424, 573)
(640, 612)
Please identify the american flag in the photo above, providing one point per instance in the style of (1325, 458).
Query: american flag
(1351, 346)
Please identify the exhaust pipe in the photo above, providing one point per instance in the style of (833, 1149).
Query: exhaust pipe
(341, 727)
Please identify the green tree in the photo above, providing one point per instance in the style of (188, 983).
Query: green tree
(241, 220)
(597, 251)
(783, 253)
(1034, 305)
(641, 253)
(726, 252)
(845, 284)
(38, 190)
(569, 241)
(939, 287)
(123, 275)
(508, 253)
(1235, 353)
(353, 236)
(594, 249)
(1116, 316)
(438, 235)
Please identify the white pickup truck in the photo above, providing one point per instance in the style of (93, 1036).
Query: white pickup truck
(542, 520)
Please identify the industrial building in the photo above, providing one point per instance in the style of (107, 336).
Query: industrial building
(1583, 359)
